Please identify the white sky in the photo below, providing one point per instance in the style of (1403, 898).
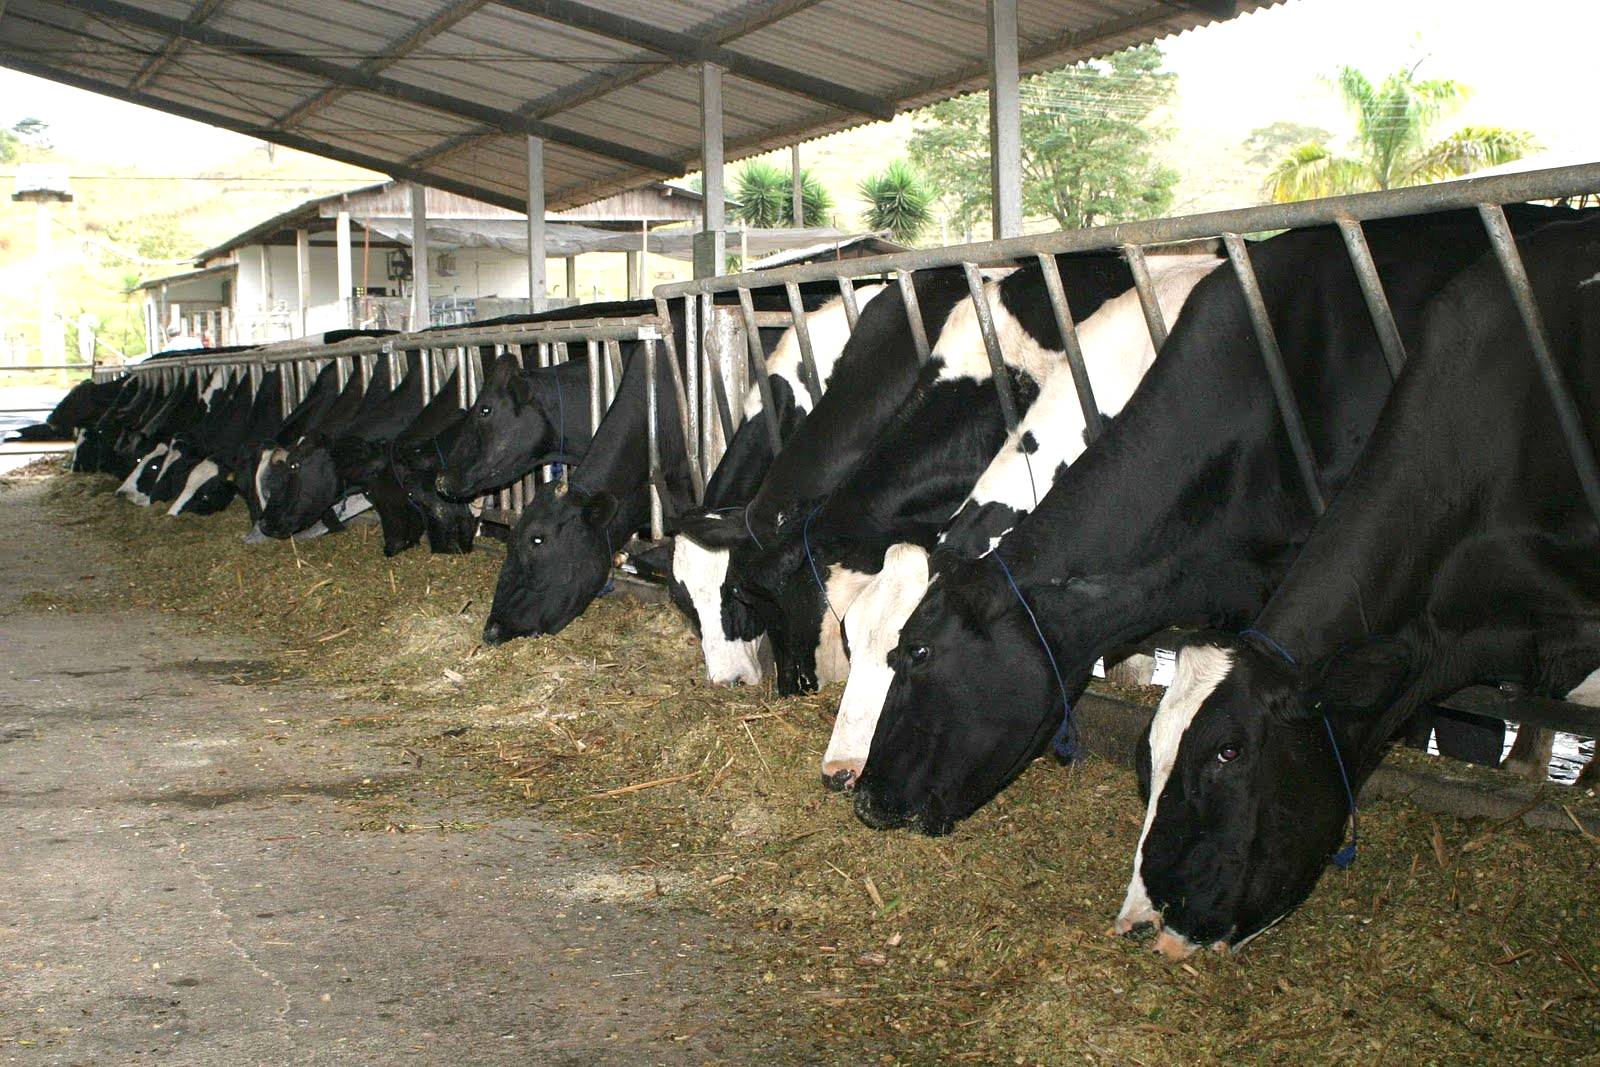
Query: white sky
(1530, 68)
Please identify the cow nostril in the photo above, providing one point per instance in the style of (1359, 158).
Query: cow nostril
(839, 778)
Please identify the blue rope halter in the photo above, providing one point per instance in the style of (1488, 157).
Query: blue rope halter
(1346, 855)
(816, 576)
(1065, 741)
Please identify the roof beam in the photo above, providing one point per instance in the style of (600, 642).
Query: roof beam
(687, 48)
(604, 82)
(397, 50)
(279, 137)
(509, 121)
(201, 11)
(1221, 9)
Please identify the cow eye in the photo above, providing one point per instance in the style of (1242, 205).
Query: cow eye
(536, 540)
(919, 654)
(483, 410)
(1227, 753)
(294, 466)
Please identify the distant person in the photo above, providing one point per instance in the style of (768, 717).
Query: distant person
(179, 339)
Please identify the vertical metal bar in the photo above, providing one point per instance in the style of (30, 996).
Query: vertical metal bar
(802, 334)
(596, 408)
(653, 440)
(1005, 120)
(342, 375)
(1093, 423)
(1355, 242)
(908, 294)
(716, 379)
(536, 232)
(991, 345)
(847, 293)
(758, 369)
(1568, 417)
(680, 397)
(462, 395)
(613, 371)
(691, 368)
(1148, 301)
(1272, 356)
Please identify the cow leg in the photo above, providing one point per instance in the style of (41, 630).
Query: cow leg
(1417, 730)
(1470, 738)
(1530, 753)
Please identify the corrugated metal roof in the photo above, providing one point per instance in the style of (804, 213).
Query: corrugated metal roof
(444, 91)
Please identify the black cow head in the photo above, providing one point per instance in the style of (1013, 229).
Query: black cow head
(557, 561)
(309, 486)
(175, 469)
(951, 737)
(451, 525)
(1245, 798)
(505, 432)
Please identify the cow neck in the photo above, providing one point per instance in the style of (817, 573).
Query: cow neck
(617, 459)
(873, 377)
(561, 396)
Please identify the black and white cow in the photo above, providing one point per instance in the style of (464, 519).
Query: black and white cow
(698, 572)
(1117, 350)
(211, 485)
(875, 375)
(397, 476)
(314, 472)
(1460, 550)
(560, 555)
(226, 410)
(184, 406)
(83, 404)
(921, 468)
(1188, 510)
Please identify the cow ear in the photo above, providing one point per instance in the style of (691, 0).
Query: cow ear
(654, 562)
(600, 509)
(520, 388)
(712, 531)
(1361, 678)
(976, 590)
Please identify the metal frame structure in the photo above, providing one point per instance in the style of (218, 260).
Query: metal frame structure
(435, 354)
(709, 358)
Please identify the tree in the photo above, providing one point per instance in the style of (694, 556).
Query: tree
(26, 133)
(1087, 144)
(765, 196)
(1393, 147)
(1269, 144)
(897, 201)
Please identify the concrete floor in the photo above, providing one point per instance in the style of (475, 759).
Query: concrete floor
(190, 874)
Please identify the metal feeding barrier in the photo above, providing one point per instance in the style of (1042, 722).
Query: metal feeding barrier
(712, 359)
(435, 355)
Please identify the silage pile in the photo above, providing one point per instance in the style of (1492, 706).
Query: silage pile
(1448, 939)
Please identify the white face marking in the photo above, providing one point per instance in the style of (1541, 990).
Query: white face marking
(702, 571)
(829, 329)
(218, 378)
(130, 485)
(269, 456)
(873, 625)
(1201, 668)
(1117, 353)
(842, 585)
(1587, 691)
(173, 455)
(203, 472)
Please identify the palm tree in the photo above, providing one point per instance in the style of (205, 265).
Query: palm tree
(764, 193)
(897, 201)
(1392, 146)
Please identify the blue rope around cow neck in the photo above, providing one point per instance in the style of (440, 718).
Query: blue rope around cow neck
(1346, 855)
(750, 531)
(816, 576)
(1065, 742)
